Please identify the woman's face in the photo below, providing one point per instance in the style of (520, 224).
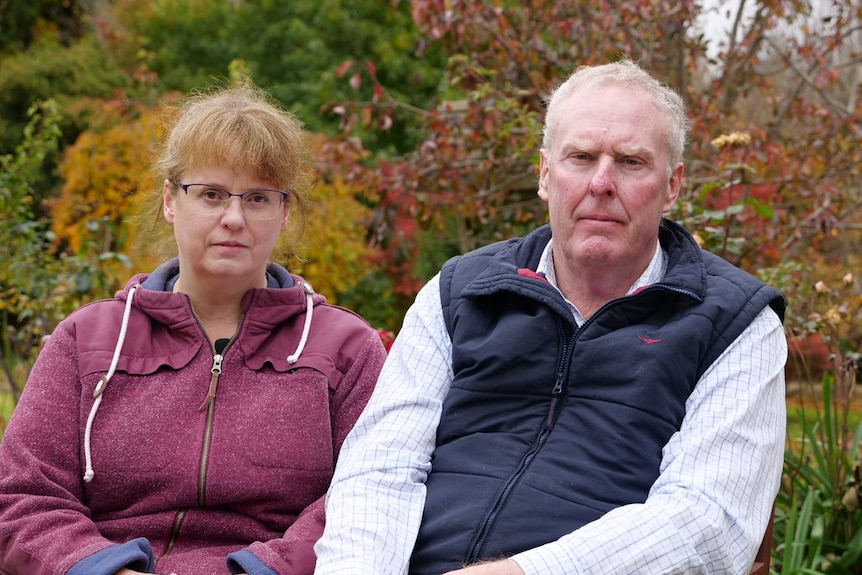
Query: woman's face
(228, 249)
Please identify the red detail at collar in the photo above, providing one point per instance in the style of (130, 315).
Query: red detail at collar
(531, 274)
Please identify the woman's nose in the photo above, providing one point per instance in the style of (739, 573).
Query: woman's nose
(233, 214)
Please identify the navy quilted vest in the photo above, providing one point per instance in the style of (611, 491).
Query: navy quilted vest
(548, 426)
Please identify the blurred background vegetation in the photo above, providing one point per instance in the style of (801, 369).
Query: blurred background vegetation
(425, 119)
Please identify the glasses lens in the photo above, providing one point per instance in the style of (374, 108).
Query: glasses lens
(261, 203)
(207, 199)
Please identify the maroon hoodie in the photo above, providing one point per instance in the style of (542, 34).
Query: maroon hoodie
(178, 481)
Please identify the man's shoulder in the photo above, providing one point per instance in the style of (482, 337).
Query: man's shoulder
(522, 250)
(723, 276)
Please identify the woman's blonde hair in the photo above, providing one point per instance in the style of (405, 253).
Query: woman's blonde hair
(239, 127)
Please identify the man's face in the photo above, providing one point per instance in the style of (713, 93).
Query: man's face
(606, 179)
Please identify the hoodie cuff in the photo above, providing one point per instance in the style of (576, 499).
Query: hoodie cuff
(135, 554)
(244, 561)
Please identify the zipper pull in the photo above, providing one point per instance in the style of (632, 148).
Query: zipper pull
(555, 401)
(216, 371)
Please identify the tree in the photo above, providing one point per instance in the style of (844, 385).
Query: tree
(783, 193)
(37, 288)
(22, 22)
(334, 238)
(102, 172)
(293, 49)
(47, 69)
(472, 180)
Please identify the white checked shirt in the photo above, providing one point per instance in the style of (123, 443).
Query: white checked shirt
(706, 512)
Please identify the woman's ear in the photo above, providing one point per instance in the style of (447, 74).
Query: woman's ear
(168, 199)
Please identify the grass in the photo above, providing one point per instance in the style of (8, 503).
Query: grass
(804, 403)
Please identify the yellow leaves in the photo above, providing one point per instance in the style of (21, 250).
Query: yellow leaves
(832, 316)
(333, 254)
(732, 140)
(837, 312)
(102, 172)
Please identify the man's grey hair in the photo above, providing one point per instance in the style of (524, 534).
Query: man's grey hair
(631, 75)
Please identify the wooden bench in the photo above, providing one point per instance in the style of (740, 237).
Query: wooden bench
(764, 554)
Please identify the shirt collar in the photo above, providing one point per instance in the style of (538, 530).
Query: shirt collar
(653, 273)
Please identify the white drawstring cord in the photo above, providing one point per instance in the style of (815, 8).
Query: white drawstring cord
(103, 383)
(309, 310)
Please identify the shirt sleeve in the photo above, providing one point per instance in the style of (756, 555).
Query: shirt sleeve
(374, 504)
(708, 509)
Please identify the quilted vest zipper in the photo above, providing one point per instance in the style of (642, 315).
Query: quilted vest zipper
(474, 551)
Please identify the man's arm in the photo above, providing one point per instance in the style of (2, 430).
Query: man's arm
(374, 505)
(707, 511)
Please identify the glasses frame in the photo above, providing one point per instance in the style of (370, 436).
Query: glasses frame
(284, 196)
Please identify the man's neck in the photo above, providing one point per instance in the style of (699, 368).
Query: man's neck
(589, 288)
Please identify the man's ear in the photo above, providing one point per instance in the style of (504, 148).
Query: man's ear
(674, 187)
(543, 175)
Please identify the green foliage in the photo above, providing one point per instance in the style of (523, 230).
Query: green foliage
(27, 272)
(49, 70)
(818, 522)
(37, 286)
(7, 406)
(293, 49)
(16, 24)
(21, 21)
(373, 297)
(186, 44)
(303, 51)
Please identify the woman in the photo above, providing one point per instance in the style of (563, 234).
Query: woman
(191, 424)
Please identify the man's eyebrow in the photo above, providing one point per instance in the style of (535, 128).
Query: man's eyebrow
(637, 152)
(579, 146)
(625, 150)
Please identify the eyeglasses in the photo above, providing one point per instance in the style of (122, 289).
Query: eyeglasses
(211, 200)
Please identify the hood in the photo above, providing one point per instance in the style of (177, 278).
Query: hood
(263, 308)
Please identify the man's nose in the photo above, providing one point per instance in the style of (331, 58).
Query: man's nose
(603, 182)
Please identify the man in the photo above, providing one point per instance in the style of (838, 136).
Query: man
(599, 396)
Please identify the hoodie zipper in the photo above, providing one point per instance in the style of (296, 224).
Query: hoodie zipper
(209, 403)
(175, 531)
(478, 543)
